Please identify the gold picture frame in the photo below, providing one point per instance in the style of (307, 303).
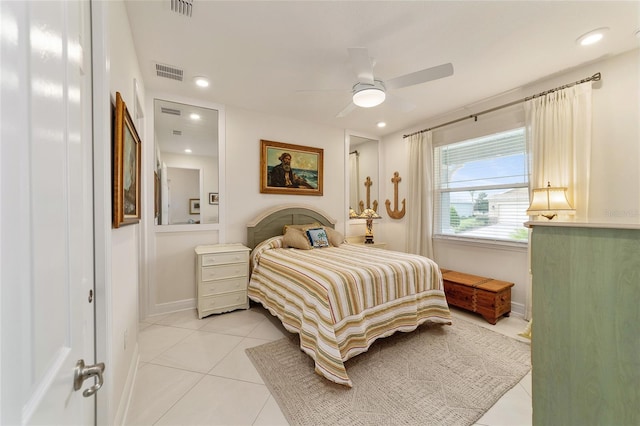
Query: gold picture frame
(299, 174)
(156, 195)
(126, 167)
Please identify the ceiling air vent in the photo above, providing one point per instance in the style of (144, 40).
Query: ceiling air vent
(171, 111)
(183, 7)
(167, 71)
(177, 133)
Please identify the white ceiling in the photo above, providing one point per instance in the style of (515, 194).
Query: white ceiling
(175, 130)
(290, 58)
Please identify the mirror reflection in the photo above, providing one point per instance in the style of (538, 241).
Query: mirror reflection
(363, 169)
(186, 166)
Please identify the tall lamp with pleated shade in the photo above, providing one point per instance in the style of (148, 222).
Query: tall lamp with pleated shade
(550, 201)
(369, 215)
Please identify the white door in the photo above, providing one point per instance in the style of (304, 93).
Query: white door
(46, 215)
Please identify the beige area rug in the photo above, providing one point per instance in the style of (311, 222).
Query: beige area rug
(435, 375)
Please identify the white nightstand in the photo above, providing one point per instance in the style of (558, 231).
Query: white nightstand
(360, 241)
(376, 245)
(222, 277)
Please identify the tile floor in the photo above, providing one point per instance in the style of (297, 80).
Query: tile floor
(195, 372)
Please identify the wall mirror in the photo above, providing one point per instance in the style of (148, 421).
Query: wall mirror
(186, 166)
(363, 173)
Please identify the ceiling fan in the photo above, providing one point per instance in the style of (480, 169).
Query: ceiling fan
(369, 91)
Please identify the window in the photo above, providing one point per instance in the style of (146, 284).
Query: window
(482, 188)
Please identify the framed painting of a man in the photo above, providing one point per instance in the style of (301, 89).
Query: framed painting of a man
(126, 167)
(290, 169)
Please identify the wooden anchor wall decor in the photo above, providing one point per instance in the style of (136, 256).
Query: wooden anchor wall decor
(395, 213)
(368, 182)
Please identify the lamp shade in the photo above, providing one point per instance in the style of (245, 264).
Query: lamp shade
(352, 214)
(550, 201)
(369, 97)
(369, 214)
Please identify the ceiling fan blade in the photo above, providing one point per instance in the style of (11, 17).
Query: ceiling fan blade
(346, 110)
(303, 91)
(400, 104)
(419, 77)
(361, 64)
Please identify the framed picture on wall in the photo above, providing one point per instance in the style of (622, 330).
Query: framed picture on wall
(214, 198)
(156, 195)
(194, 206)
(290, 169)
(126, 167)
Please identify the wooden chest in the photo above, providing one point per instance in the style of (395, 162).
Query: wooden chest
(486, 296)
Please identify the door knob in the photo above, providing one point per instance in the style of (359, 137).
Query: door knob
(82, 372)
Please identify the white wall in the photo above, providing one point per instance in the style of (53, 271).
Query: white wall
(207, 168)
(244, 200)
(125, 241)
(184, 186)
(615, 175)
(173, 276)
(368, 165)
(615, 158)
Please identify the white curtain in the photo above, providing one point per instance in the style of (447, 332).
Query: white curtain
(420, 195)
(559, 141)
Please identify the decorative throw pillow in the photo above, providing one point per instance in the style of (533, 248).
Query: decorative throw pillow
(318, 237)
(296, 238)
(335, 237)
(302, 227)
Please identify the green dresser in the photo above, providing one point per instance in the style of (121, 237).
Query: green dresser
(586, 328)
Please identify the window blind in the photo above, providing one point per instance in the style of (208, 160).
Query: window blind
(481, 187)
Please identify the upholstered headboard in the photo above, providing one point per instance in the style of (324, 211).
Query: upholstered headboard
(270, 223)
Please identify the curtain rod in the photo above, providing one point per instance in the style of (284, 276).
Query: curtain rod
(595, 77)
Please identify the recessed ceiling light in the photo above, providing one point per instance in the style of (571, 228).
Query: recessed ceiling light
(201, 81)
(194, 116)
(592, 36)
(381, 124)
(188, 151)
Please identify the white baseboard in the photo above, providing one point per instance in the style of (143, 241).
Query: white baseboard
(127, 392)
(168, 308)
(517, 309)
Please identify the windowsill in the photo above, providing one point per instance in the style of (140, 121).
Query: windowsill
(482, 243)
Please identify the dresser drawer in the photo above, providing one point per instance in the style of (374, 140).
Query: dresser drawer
(224, 258)
(222, 278)
(221, 301)
(222, 286)
(221, 272)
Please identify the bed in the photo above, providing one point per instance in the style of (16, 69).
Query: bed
(342, 298)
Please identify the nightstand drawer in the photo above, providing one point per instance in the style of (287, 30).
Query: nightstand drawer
(221, 301)
(224, 271)
(224, 258)
(222, 286)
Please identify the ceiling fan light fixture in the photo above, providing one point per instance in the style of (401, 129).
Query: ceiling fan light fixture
(368, 95)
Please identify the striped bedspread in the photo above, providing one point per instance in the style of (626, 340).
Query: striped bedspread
(341, 299)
